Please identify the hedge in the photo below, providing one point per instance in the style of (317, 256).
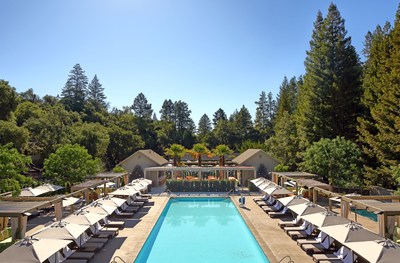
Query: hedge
(200, 186)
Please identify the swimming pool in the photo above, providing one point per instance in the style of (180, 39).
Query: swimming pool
(198, 230)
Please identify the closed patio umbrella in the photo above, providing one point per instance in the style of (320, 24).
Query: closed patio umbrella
(350, 232)
(32, 250)
(377, 251)
(325, 218)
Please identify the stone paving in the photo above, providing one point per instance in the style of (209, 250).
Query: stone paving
(274, 242)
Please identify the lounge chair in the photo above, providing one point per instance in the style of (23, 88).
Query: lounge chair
(283, 212)
(98, 240)
(275, 208)
(344, 254)
(303, 226)
(297, 234)
(295, 222)
(91, 246)
(118, 224)
(124, 214)
(263, 198)
(316, 248)
(316, 240)
(81, 255)
(75, 260)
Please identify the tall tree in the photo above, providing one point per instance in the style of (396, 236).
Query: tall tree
(244, 124)
(287, 97)
(329, 102)
(96, 93)
(182, 116)
(167, 111)
(29, 95)
(380, 127)
(74, 93)
(219, 115)
(265, 114)
(141, 107)
(8, 100)
(204, 125)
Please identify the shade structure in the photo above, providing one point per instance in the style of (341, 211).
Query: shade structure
(265, 185)
(306, 209)
(84, 217)
(100, 208)
(293, 200)
(143, 181)
(49, 187)
(69, 201)
(31, 250)
(137, 186)
(32, 192)
(65, 231)
(377, 251)
(113, 202)
(258, 181)
(325, 218)
(124, 191)
(277, 190)
(350, 232)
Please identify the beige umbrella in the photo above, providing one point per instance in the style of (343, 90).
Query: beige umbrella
(65, 231)
(258, 181)
(325, 218)
(265, 185)
(100, 208)
(377, 251)
(32, 192)
(113, 202)
(293, 200)
(350, 232)
(49, 187)
(86, 218)
(32, 250)
(277, 190)
(306, 209)
(124, 191)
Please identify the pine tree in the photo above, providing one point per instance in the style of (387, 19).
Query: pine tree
(74, 93)
(204, 125)
(219, 115)
(287, 98)
(182, 116)
(263, 121)
(380, 127)
(141, 107)
(329, 99)
(167, 111)
(244, 124)
(96, 94)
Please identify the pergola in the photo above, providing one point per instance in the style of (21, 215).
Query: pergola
(19, 208)
(153, 173)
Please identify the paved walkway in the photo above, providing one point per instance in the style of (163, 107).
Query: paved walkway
(274, 242)
(272, 239)
(130, 240)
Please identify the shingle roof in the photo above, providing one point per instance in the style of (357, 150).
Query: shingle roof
(155, 157)
(247, 155)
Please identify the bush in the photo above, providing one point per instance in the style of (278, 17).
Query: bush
(200, 186)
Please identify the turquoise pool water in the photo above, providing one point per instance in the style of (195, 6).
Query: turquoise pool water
(199, 230)
(366, 213)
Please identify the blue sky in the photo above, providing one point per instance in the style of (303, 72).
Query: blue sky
(209, 53)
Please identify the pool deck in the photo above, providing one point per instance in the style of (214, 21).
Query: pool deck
(127, 244)
(272, 239)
